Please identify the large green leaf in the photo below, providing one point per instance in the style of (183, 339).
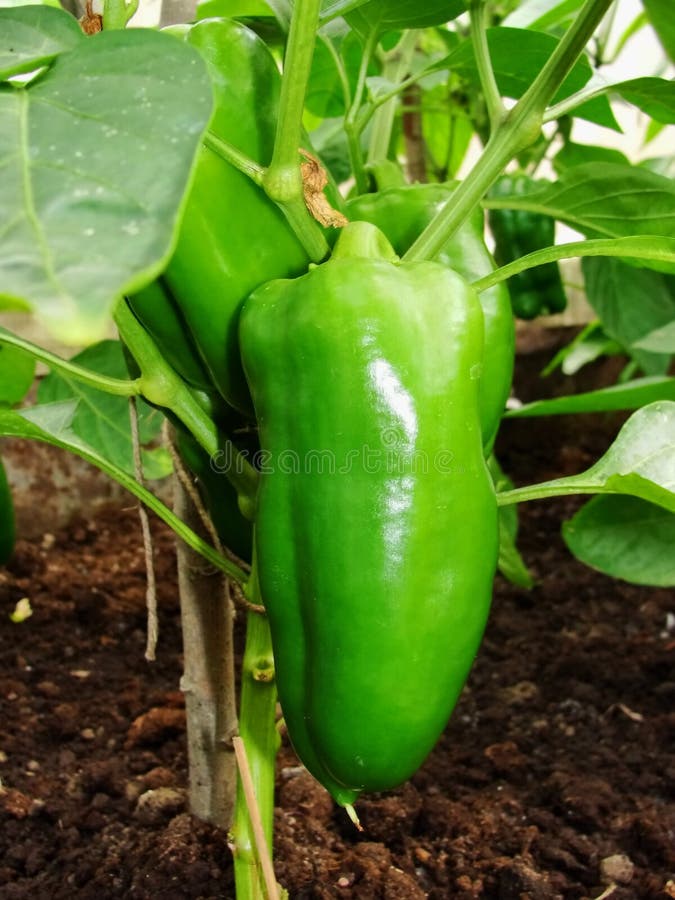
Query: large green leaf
(630, 395)
(632, 303)
(32, 36)
(98, 152)
(52, 424)
(660, 13)
(602, 199)
(101, 420)
(573, 154)
(625, 537)
(640, 462)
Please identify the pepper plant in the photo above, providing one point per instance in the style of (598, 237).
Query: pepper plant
(330, 343)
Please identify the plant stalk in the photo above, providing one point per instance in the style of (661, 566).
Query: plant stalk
(257, 729)
(207, 619)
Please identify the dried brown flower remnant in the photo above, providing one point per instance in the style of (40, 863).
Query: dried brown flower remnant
(314, 180)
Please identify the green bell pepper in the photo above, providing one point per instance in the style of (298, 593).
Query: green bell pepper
(517, 232)
(232, 237)
(376, 523)
(402, 213)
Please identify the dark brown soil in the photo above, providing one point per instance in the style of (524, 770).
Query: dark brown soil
(554, 778)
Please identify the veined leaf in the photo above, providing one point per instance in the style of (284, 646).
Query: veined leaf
(624, 537)
(33, 36)
(97, 156)
(640, 463)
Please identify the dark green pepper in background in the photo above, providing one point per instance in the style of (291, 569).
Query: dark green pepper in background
(376, 527)
(220, 498)
(537, 291)
(7, 523)
(402, 213)
(232, 237)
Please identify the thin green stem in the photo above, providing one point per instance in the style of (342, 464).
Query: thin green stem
(493, 99)
(639, 247)
(297, 66)
(562, 487)
(351, 123)
(116, 13)
(163, 387)
(396, 65)
(257, 728)
(121, 387)
(558, 110)
(235, 157)
(518, 130)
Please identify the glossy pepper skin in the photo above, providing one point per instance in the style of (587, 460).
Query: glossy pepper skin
(232, 237)
(376, 524)
(402, 213)
(7, 524)
(537, 291)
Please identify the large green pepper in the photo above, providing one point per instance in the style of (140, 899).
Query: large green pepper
(402, 213)
(517, 232)
(376, 525)
(7, 524)
(232, 237)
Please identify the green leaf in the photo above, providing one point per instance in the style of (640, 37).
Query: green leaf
(660, 13)
(589, 345)
(631, 304)
(626, 538)
(325, 95)
(510, 563)
(640, 462)
(391, 15)
(102, 420)
(98, 152)
(661, 340)
(654, 96)
(630, 395)
(52, 424)
(517, 58)
(541, 15)
(17, 371)
(578, 154)
(33, 36)
(604, 200)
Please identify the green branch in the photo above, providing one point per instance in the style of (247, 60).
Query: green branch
(649, 247)
(518, 130)
(493, 99)
(234, 157)
(121, 387)
(397, 63)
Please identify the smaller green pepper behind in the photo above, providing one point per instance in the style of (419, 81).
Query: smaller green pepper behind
(537, 291)
(402, 213)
